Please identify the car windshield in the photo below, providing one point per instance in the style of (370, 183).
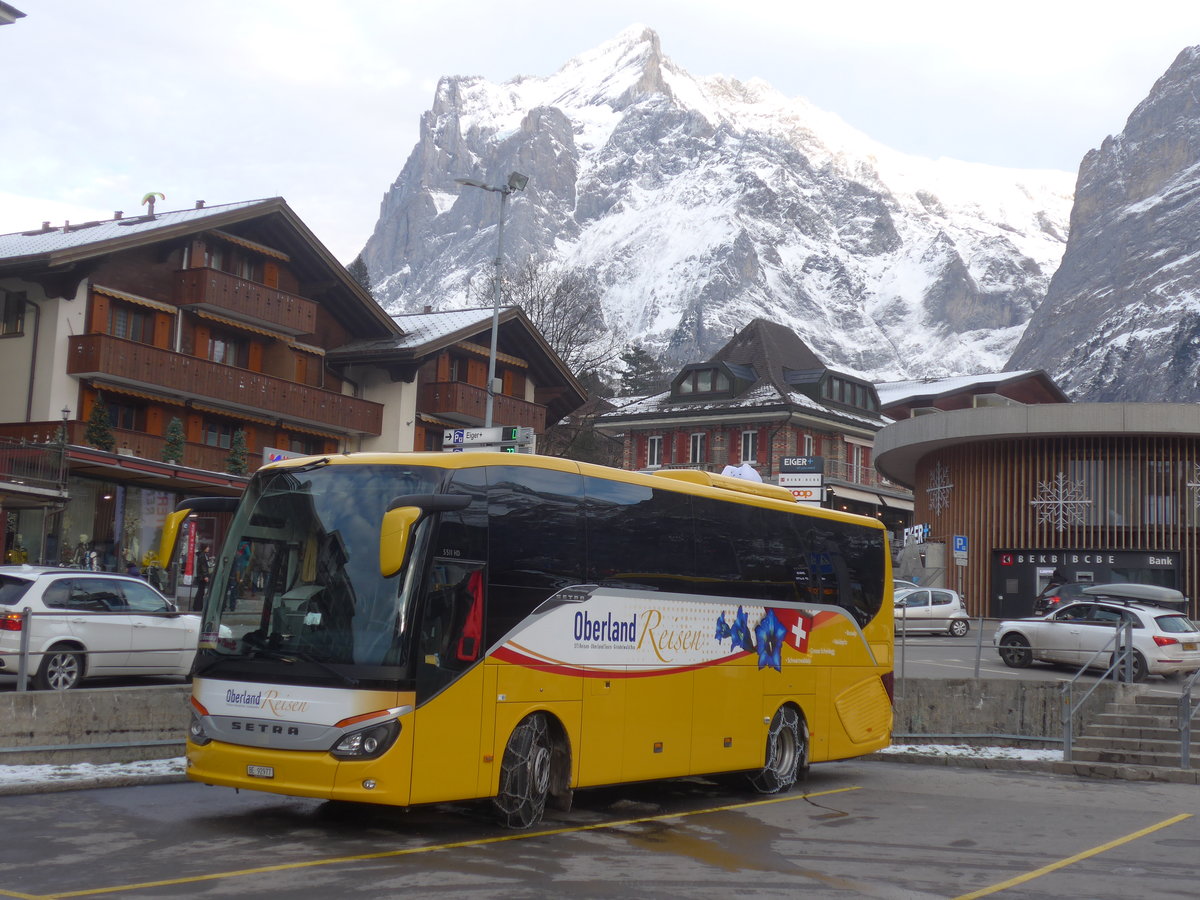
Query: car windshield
(12, 589)
(1175, 624)
(298, 578)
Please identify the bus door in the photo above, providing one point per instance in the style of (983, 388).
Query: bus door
(449, 716)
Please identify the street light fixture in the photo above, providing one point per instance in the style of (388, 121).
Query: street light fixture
(516, 182)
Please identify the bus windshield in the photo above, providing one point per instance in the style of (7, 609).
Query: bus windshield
(297, 594)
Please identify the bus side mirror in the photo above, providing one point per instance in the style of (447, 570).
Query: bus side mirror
(393, 538)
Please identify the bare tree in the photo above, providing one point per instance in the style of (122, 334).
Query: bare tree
(564, 306)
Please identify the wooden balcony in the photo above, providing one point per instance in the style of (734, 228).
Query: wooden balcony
(246, 300)
(127, 443)
(189, 378)
(468, 404)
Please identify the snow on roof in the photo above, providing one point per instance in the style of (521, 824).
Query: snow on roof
(764, 394)
(895, 391)
(425, 328)
(34, 242)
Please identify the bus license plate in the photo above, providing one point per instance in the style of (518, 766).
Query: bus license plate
(260, 771)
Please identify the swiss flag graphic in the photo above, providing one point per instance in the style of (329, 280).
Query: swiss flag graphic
(799, 627)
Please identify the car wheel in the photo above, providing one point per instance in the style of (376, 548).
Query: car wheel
(1139, 667)
(1015, 652)
(959, 627)
(61, 670)
(525, 774)
(787, 753)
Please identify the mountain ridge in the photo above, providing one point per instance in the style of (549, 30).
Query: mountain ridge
(698, 204)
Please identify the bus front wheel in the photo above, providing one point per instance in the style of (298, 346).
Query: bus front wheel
(525, 774)
(787, 753)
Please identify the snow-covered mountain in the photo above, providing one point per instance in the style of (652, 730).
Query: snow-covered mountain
(1121, 320)
(698, 204)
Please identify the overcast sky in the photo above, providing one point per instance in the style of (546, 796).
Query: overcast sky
(320, 102)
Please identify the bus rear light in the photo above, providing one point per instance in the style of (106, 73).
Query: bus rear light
(369, 743)
(10, 622)
(889, 685)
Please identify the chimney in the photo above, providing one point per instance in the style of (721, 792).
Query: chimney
(199, 204)
(46, 226)
(118, 214)
(428, 308)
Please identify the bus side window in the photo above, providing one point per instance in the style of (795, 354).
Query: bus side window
(451, 623)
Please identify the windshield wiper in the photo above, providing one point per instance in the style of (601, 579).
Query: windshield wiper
(290, 656)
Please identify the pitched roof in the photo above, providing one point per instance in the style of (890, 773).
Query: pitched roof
(48, 249)
(775, 360)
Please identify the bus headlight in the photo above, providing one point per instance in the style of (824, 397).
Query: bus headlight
(196, 733)
(367, 743)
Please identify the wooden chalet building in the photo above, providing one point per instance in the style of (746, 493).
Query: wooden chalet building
(232, 320)
(765, 397)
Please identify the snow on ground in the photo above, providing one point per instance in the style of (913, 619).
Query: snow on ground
(89, 773)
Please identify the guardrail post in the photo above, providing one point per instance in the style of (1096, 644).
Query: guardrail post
(1185, 726)
(978, 643)
(23, 653)
(1068, 716)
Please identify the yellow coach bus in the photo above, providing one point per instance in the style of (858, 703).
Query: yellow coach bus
(428, 627)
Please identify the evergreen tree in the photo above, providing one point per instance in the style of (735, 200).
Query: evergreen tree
(172, 451)
(237, 454)
(99, 427)
(358, 271)
(643, 374)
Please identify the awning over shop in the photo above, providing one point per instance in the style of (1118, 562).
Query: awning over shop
(896, 502)
(849, 493)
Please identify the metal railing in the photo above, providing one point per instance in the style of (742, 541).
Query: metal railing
(1187, 712)
(1122, 662)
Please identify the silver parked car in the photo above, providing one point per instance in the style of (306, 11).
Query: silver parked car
(935, 610)
(86, 624)
(1086, 631)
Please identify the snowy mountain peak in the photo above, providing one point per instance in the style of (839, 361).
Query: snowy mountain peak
(697, 204)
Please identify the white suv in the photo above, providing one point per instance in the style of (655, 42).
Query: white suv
(1087, 631)
(87, 624)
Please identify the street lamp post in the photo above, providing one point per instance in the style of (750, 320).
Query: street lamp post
(516, 182)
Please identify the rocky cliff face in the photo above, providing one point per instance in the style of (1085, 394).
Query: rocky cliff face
(698, 204)
(1121, 320)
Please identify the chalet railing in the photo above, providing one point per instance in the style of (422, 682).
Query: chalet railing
(38, 467)
(271, 306)
(456, 398)
(126, 443)
(188, 377)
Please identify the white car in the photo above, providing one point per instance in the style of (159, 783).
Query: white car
(935, 610)
(1085, 632)
(87, 624)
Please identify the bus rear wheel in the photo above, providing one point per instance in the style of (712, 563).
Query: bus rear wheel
(787, 753)
(525, 774)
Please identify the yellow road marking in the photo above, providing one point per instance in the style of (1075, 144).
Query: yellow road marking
(1071, 860)
(431, 848)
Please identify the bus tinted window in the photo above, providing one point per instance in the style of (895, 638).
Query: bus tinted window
(536, 540)
(638, 536)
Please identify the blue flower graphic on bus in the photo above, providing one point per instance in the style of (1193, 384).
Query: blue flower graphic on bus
(770, 633)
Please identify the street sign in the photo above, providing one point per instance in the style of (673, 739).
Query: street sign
(960, 549)
(505, 438)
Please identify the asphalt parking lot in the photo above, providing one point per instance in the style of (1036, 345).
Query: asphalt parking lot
(857, 829)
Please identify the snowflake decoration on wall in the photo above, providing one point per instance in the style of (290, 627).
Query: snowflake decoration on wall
(939, 489)
(1061, 502)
